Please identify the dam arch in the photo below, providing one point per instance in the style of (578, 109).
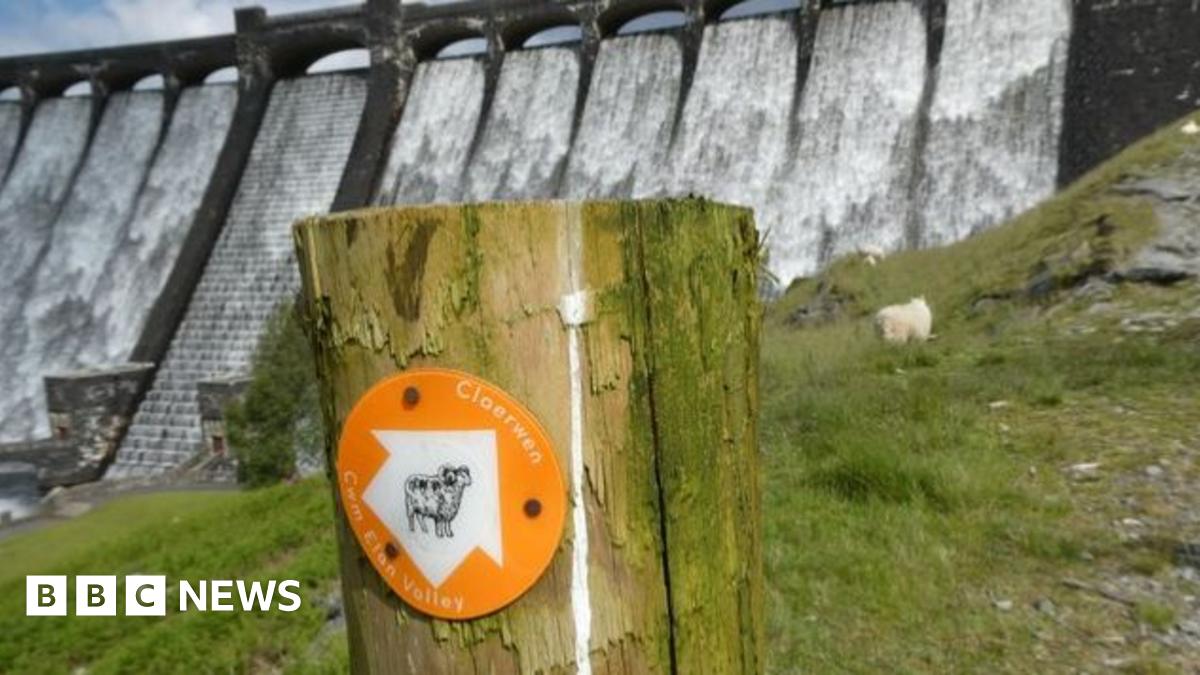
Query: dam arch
(565, 34)
(432, 40)
(288, 61)
(618, 17)
(654, 21)
(725, 10)
(340, 61)
(79, 89)
(472, 46)
(154, 82)
(221, 76)
(516, 33)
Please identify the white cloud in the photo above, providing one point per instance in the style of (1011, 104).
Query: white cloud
(55, 25)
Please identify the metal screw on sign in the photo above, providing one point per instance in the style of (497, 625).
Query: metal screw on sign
(533, 508)
(411, 396)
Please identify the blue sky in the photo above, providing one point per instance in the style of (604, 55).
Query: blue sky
(30, 26)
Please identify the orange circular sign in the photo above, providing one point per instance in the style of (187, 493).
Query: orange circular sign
(452, 489)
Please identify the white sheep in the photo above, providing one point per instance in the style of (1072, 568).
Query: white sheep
(903, 323)
(871, 253)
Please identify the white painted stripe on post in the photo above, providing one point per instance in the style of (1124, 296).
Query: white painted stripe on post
(575, 308)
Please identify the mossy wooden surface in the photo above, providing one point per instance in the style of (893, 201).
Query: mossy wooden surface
(670, 372)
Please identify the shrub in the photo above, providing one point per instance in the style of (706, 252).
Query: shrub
(279, 416)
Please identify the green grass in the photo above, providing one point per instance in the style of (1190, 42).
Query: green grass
(283, 532)
(59, 543)
(897, 507)
(1159, 617)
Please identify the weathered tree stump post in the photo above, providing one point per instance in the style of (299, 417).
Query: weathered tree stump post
(630, 329)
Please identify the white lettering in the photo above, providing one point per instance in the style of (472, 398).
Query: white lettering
(284, 592)
(353, 508)
(256, 595)
(222, 589)
(145, 595)
(95, 595)
(429, 595)
(198, 597)
(45, 595)
(469, 391)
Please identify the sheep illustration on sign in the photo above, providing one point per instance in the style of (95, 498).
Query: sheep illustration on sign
(449, 477)
(435, 497)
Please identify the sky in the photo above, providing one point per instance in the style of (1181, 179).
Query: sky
(31, 26)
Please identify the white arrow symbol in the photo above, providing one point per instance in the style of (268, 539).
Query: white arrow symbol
(439, 494)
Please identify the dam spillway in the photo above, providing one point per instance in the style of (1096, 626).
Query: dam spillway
(29, 203)
(894, 122)
(527, 133)
(732, 138)
(625, 131)
(111, 246)
(293, 171)
(996, 115)
(870, 150)
(58, 320)
(433, 141)
(834, 164)
(34, 190)
(857, 122)
(10, 134)
(134, 275)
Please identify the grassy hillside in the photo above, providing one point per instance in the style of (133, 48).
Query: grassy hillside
(922, 512)
(922, 515)
(283, 532)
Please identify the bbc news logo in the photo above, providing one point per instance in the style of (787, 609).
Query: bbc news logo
(146, 595)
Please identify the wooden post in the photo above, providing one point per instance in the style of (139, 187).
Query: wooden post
(663, 320)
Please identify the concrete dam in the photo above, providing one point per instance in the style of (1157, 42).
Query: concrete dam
(145, 235)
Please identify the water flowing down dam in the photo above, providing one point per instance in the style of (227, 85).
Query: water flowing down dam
(733, 136)
(35, 188)
(155, 225)
(294, 169)
(523, 149)
(135, 274)
(10, 134)
(996, 115)
(433, 141)
(857, 119)
(625, 133)
(29, 202)
(58, 318)
(875, 148)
